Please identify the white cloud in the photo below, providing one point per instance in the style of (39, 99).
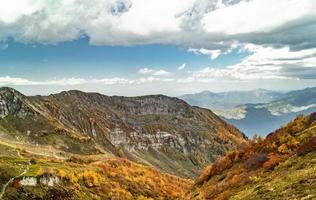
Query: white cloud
(198, 24)
(16, 81)
(113, 81)
(7, 80)
(265, 63)
(154, 72)
(66, 81)
(153, 79)
(181, 67)
(14, 9)
(256, 16)
(212, 53)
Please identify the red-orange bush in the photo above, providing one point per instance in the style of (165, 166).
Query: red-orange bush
(16, 184)
(205, 175)
(218, 167)
(273, 161)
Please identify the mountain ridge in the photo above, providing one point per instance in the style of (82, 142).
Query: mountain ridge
(157, 130)
(230, 99)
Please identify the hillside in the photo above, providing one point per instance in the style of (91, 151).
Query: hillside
(282, 166)
(25, 176)
(158, 131)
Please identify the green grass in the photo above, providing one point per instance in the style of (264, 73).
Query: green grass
(10, 167)
(293, 179)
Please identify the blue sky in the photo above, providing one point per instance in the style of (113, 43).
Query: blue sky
(138, 47)
(79, 59)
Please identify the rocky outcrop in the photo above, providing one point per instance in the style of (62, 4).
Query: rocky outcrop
(45, 180)
(11, 103)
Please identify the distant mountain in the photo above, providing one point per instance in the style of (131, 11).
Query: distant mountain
(263, 117)
(155, 130)
(281, 166)
(228, 100)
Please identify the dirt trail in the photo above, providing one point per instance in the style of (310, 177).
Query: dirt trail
(41, 150)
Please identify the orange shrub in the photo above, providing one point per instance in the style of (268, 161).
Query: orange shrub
(238, 179)
(205, 175)
(221, 165)
(90, 178)
(61, 173)
(224, 195)
(273, 161)
(283, 149)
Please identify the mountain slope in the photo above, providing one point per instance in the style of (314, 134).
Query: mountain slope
(282, 166)
(27, 176)
(155, 130)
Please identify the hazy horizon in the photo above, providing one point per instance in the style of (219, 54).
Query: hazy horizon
(25, 91)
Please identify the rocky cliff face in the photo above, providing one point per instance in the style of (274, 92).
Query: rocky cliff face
(11, 103)
(156, 130)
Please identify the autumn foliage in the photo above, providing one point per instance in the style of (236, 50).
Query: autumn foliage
(257, 156)
(272, 162)
(137, 179)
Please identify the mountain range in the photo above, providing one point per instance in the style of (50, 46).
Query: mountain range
(156, 130)
(75, 145)
(257, 111)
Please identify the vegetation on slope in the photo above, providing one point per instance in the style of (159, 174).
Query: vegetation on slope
(83, 177)
(282, 166)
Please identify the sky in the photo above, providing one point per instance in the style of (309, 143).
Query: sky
(172, 47)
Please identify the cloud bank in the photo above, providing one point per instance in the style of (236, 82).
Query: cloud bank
(198, 24)
(280, 36)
